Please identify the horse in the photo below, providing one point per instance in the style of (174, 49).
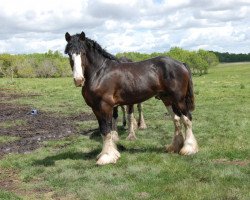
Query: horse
(132, 123)
(107, 83)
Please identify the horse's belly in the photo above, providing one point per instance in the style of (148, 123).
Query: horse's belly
(134, 97)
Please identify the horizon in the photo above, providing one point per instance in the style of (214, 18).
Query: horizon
(65, 55)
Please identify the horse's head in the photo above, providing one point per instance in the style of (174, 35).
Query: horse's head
(76, 49)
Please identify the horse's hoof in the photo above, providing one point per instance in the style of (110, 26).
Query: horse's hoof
(142, 126)
(131, 137)
(171, 149)
(189, 149)
(108, 158)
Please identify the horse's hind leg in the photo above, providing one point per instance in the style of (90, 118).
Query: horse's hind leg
(114, 124)
(124, 122)
(114, 119)
(133, 120)
(177, 142)
(190, 144)
(141, 121)
(131, 123)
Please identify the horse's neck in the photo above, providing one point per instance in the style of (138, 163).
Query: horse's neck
(98, 61)
(95, 63)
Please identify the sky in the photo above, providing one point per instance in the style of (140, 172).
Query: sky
(146, 26)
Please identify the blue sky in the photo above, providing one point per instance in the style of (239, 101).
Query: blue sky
(147, 26)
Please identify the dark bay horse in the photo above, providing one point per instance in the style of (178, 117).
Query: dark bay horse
(107, 83)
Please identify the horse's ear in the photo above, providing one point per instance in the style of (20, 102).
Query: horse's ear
(82, 36)
(67, 37)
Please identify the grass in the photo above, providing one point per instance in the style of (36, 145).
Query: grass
(8, 195)
(10, 123)
(56, 95)
(4, 139)
(65, 169)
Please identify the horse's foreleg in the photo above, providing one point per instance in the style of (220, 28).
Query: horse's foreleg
(141, 121)
(131, 123)
(190, 144)
(109, 153)
(177, 142)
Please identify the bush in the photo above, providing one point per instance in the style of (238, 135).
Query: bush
(50, 64)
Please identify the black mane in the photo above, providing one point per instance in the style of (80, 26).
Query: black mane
(98, 47)
(76, 45)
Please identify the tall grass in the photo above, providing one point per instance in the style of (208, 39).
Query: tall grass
(66, 169)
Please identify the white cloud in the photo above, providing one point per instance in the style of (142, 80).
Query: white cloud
(138, 25)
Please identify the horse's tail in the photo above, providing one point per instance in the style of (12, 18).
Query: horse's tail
(189, 99)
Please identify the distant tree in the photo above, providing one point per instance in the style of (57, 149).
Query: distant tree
(179, 54)
(210, 58)
(232, 57)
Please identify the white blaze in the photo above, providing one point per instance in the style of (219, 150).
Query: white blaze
(77, 69)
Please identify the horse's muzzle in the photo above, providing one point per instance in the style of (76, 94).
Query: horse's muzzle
(79, 82)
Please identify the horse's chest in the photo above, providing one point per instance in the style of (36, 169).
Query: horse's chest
(90, 96)
(87, 97)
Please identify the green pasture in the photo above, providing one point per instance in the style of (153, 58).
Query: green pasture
(66, 169)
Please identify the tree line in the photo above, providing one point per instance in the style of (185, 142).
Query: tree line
(55, 64)
(232, 57)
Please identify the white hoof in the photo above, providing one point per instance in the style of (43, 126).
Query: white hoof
(131, 137)
(109, 153)
(189, 149)
(108, 158)
(142, 126)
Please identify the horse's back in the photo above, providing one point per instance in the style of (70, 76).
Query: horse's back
(154, 69)
(157, 62)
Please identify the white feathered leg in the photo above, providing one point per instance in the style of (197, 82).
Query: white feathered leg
(141, 121)
(177, 142)
(190, 144)
(109, 153)
(131, 129)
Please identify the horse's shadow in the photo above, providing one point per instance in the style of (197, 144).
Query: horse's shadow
(50, 160)
(95, 135)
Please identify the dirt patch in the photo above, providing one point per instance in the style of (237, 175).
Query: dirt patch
(36, 128)
(9, 179)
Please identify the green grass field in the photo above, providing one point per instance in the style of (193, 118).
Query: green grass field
(65, 169)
